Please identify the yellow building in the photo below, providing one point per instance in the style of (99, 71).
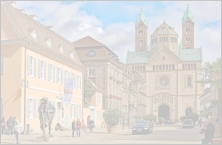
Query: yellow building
(36, 61)
(93, 107)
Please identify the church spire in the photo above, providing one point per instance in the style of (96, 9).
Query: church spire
(141, 17)
(188, 14)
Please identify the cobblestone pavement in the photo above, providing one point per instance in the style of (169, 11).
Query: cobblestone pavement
(162, 135)
(173, 134)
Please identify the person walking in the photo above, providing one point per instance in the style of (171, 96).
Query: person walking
(18, 130)
(78, 126)
(83, 126)
(3, 126)
(209, 132)
(73, 128)
(9, 125)
(91, 123)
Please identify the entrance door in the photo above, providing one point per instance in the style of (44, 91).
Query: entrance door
(59, 112)
(164, 111)
(92, 114)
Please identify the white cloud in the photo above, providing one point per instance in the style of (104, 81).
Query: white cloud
(74, 24)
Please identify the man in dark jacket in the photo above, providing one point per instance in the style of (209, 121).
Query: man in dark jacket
(73, 128)
(209, 132)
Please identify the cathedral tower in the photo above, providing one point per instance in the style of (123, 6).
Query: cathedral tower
(188, 30)
(141, 27)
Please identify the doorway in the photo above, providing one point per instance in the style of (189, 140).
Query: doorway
(164, 111)
(188, 111)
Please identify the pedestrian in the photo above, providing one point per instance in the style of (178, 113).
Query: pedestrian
(14, 122)
(73, 128)
(91, 123)
(78, 126)
(18, 130)
(83, 126)
(3, 125)
(209, 132)
(9, 125)
(200, 122)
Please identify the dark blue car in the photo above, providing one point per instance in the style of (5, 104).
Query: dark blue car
(142, 127)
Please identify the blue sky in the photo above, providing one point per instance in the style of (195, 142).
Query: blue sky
(113, 22)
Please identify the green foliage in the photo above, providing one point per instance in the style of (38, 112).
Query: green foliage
(161, 119)
(182, 118)
(89, 90)
(112, 116)
(207, 111)
(212, 73)
(150, 117)
(193, 116)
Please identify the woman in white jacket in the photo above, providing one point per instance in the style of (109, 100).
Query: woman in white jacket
(18, 130)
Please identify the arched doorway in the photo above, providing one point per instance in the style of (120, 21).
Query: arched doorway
(164, 111)
(188, 111)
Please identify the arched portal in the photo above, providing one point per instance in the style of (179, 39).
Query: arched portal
(164, 111)
(188, 111)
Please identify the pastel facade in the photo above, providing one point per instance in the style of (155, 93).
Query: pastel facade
(37, 61)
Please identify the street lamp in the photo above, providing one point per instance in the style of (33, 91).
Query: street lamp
(25, 84)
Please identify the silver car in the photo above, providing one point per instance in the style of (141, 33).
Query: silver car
(188, 123)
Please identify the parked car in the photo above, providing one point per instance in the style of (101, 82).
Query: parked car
(142, 127)
(188, 123)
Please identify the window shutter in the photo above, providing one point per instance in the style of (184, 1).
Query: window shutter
(2, 64)
(57, 76)
(27, 109)
(39, 70)
(28, 64)
(53, 73)
(45, 70)
(49, 72)
(34, 67)
(34, 108)
(61, 76)
(76, 111)
(80, 111)
(70, 110)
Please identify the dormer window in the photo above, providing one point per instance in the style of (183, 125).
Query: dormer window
(33, 33)
(12, 3)
(72, 55)
(61, 48)
(48, 42)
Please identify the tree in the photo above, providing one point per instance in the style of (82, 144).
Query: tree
(150, 117)
(89, 90)
(193, 116)
(212, 76)
(206, 112)
(112, 116)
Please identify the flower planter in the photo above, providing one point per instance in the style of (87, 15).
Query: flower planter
(111, 129)
(217, 131)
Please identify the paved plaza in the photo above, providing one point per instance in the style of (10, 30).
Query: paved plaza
(173, 134)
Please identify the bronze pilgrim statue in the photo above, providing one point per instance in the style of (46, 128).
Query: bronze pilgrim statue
(46, 113)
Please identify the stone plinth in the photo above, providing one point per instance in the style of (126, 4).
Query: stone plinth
(47, 139)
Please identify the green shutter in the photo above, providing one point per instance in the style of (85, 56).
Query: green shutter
(45, 70)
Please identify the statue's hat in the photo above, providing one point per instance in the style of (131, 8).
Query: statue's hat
(44, 98)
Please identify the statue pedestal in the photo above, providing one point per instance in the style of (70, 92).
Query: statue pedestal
(47, 139)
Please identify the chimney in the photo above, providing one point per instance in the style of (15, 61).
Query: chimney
(12, 3)
(34, 17)
(50, 27)
(22, 10)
